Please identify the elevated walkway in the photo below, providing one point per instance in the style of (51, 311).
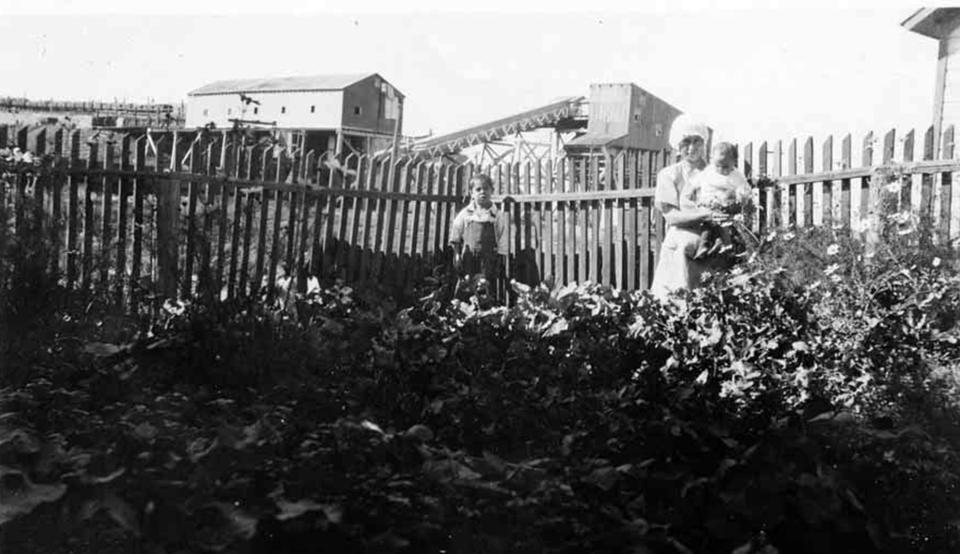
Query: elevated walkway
(569, 113)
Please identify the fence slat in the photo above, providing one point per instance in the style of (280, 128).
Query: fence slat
(139, 185)
(168, 223)
(353, 224)
(346, 206)
(630, 230)
(421, 176)
(546, 182)
(56, 210)
(279, 199)
(522, 185)
(207, 271)
(237, 216)
(123, 194)
(608, 258)
(950, 192)
(594, 215)
(224, 222)
(533, 231)
(830, 212)
(658, 160)
(106, 218)
(88, 232)
(512, 212)
(432, 183)
(449, 211)
(862, 187)
(910, 195)
(303, 241)
(292, 172)
(581, 224)
(73, 207)
(780, 193)
(810, 204)
(790, 191)
(380, 206)
(194, 165)
(889, 146)
(846, 187)
(408, 178)
(245, 287)
(369, 205)
(441, 218)
(263, 223)
(748, 172)
(317, 244)
(565, 218)
(768, 194)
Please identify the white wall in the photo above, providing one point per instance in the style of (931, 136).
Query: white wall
(328, 107)
(951, 90)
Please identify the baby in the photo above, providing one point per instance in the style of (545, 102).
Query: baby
(719, 188)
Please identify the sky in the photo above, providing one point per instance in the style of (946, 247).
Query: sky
(753, 70)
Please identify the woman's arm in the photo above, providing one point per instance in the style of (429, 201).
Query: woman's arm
(675, 216)
(676, 202)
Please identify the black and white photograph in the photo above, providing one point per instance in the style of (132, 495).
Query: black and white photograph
(496, 277)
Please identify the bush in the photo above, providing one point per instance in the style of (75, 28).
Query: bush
(779, 409)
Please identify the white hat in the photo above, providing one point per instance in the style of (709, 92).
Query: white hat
(687, 126)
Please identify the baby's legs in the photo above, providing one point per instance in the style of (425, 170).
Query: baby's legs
(707, 243)
(724, 239)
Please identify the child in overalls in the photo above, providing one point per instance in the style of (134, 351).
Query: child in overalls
(479, 234)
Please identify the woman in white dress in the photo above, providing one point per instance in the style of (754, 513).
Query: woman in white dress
(676, 268)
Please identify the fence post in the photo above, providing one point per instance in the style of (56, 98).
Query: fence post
(874, 201)
(168, 219)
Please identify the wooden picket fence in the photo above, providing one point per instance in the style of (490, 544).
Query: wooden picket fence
(843, 192)
(182, 214)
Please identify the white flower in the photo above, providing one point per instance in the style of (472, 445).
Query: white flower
(313, 285)
(900, 218)
(831, 269)
(174, 307)
(936, 262)
(833, 250)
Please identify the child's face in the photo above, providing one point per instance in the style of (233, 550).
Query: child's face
(480, 193)
(723, 163)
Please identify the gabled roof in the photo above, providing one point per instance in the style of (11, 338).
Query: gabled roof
(281, 84)
(592, 140)
(933, 22)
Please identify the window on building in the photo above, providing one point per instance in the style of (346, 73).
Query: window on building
(206, 112)
(256, 111)
(356, 110)
(313, 109)
(283, 109)
(229, 111)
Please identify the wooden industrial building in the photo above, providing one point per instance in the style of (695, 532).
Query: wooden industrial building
(339, 113)
(623, 116)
